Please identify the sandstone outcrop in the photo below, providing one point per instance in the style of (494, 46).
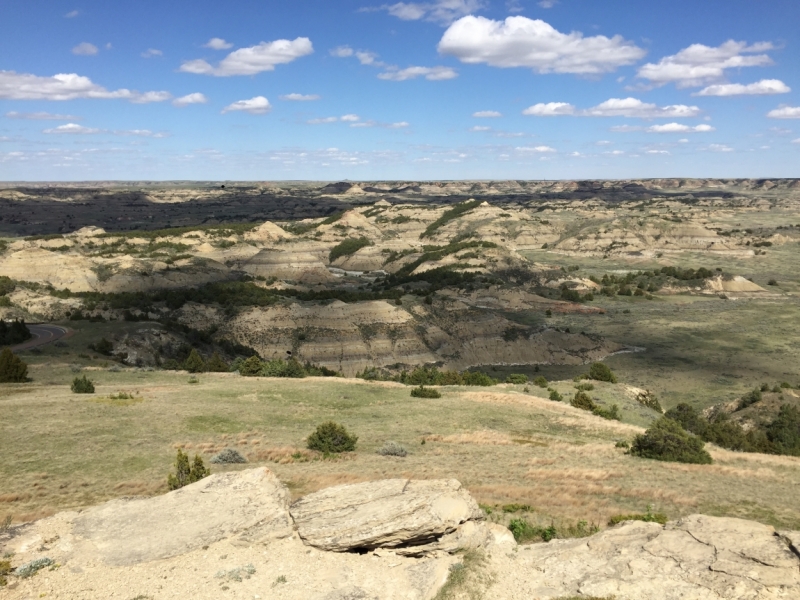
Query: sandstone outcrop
(392, 513)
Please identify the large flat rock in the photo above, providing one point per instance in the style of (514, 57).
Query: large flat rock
(383, 514)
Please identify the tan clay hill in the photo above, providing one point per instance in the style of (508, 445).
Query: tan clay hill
(236, 534)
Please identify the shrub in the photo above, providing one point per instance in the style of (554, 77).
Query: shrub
(216, 364)
(540, 381)
(194, 362)
(392, 449)
(82, 385)
(688, 418)
(525, 532)
(186, 473)
(517, 378)
(478, 378)
(585, 387)
(14, 333)
(555, 396)
(423, 392)
(281, 368)
(750, 398)
(611, 413)
(600, 372)
(103, 347)
(583, 401)
(666, 440)
(784, 430)
(251, 367)
(12, 368)
(331, 438)
(229, 456)
(30, 569)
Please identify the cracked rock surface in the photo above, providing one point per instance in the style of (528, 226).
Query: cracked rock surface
(695, 558)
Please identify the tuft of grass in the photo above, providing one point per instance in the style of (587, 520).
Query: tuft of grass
(467, 579)
(648, 517)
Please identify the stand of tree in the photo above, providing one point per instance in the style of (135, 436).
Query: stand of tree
(13, 333)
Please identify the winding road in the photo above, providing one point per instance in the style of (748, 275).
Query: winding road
(42, 334)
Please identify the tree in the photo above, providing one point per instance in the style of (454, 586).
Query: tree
(216, 364)
(784, 431)
(689, 418)
(600, 372)
(186, 473)
(12, 368)
(194, 363)
(82, 385)
(14, 333)
(666, 440)
(251, 367)
(332, 438)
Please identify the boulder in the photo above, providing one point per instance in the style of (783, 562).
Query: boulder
(393, 513)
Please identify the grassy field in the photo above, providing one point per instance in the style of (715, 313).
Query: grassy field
(62, 450)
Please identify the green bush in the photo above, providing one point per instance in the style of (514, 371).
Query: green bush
(583, 401)
(666, 440)
(689, 419)
(82, 385)
(194, 363)
(648, 517)
(103, 347)
(423, 392)
(281, 368)
(555, 396)
(393, 449)
(784, 430)
(478, 378)
(585, 387)
(525, 532)
(517, 379)
(540, 381)
(186, 473)
(14, 333)
(251, 367)
(331, 438)
(12, 368)
(611, 413)
(216, 364)
(600, 372)
(348, 247)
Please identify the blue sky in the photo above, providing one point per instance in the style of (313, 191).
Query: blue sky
(437, 89)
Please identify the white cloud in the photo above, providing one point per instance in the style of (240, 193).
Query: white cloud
(368, 58)
(614, 107)
(480, 128)
(700, 65)
(255, 106)
(720, 148)
(438, 11)
(196, 98)
(657, 152)
(149, 97)
(486, 114)
(679, 128)
(797, 141)
(217, 44)
(547, 3)
(342, 52)
(151, 52)
(85, 49)
(399, 125)
(253, 60)
(64, 86)
(429, 73)
(350, 118)
(683, 141)
(550, 109)
(603, 143)
(785, 112)
(615, 152)
(625, 128)
(73, 128)
(522, 42)
(300, 97)
(539, 149)
(322, 120)
(765, 86)
(71, 14)
(41, 116)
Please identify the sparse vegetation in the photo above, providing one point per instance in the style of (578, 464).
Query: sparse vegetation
(348, 247)
(449, 215)
(648, 517)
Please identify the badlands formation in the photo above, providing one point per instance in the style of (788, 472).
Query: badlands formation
(236, 535)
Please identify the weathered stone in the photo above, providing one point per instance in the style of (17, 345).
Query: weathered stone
(248, 506)
(383, 514)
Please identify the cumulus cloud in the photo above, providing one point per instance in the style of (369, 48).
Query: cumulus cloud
(763, 87)
(72, 128)
(486, 114)
(64, 86)
(300, 97)
(614, 107)
(85, 49)
(429, 73)
(149, 97)
(539, 149)
(217, 44)
(255, 106)
(443, 12)
(785, 112)
(679, 128)
(700, 65)
(350, 118)
(253, 60)
(797, 141)
(41, 116)
(196, 98)
(480, 128)
(534, 44)
(342, 52)
(151, 52)
(549, 109)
